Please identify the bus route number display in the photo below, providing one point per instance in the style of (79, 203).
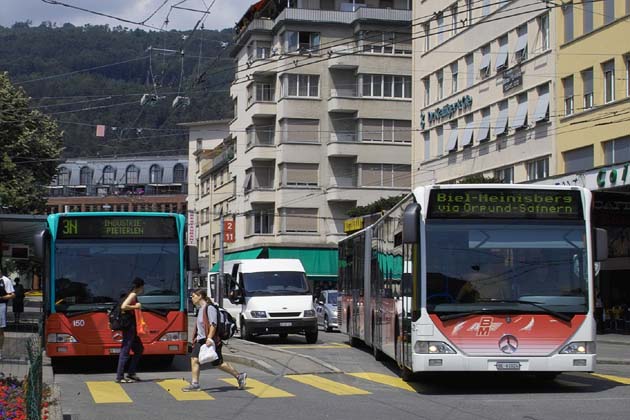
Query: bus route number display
(504, 203)
(116, 227)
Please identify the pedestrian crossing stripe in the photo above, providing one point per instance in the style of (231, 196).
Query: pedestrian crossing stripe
(107, 392)
(613, 378)
(174, 387)
(327, 385)
(260, 389)
(384, 379)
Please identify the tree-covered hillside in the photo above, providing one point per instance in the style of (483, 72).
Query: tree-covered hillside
(51, 64)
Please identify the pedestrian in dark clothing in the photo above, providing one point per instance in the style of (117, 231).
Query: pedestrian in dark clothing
(18, 300)
(131, 341)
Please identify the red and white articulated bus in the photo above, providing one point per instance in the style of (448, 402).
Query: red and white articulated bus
(476, 278)
(90, 260)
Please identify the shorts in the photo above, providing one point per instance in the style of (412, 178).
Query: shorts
(3, 315)
(197, 347)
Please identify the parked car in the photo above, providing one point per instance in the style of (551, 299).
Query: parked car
(326, 309)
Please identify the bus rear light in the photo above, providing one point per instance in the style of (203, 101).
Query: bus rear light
(61, 338)
(432, 347)
(579, 347)
(175, 336)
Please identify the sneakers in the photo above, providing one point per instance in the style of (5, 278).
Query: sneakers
(191, 388)
(242, 380)
(124, 381)
(134, 378)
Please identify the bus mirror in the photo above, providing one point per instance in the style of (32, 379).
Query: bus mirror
(191, 258)
(411, 224)
(38, 247)
(601, 244)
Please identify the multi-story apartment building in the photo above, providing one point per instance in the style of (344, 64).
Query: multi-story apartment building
(322, 99)
(205, 139)
(147, 183)
(484, 73)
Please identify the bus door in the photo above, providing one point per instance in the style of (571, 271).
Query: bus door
(358, 284)
(409, 289)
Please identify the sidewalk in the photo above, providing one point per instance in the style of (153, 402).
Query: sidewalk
(613, 349)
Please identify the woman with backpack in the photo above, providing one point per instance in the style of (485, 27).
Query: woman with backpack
(130, 341)
(206, 333)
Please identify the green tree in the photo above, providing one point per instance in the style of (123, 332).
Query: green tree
(379, 205)
(479, 179)
(30, 144)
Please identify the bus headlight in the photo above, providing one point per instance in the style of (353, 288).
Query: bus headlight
(61, 338)
(432, 347)
(258, 314)
(309, 313)
(579, 347)
(174, 336)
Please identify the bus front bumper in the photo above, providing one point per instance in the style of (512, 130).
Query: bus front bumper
(459, 363)
(289, 326)
(113, 348)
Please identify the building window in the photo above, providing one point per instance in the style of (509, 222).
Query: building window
(385, 175)
(299, 130)
(85, 175)
(538, 169)
(505, 175)
(467, 137)
(520, 119)
(109, 175)
(617, 151)
(299, 175)
(521, 43)
(63, 176)
(543, 23)
(179, 174)
(426, 82)
(260, 92)
(440, 25)
(609, 81)
(567, 84)
(501, 62)
(427, 145)
(587, 83)
(628, 73)
(427, 37)
(260, 221)
(541, 112)
(299, 220)
(486, 8)
(155, 174)
(301, 41)
(132, 175)
(578, 160)
(440, 84)
(483, 133)
(484, 68)
(454, 77)
(500, 126)
(386, 86)
(451, 146)
(397, 131)
(454, 19)
(300, 85)
(587, 16)
(609, 11)
(469, 12)
(470, 70)
(567, 14)
(440, 140)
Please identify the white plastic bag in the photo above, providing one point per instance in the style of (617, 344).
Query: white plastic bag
(207, 354)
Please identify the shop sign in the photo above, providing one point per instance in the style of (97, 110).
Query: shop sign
(512, 78)
(612, 177)
(353, 225)
(446, 111)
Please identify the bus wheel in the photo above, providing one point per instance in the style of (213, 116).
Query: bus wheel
(406, 374)
(311, 336)
(245, 334)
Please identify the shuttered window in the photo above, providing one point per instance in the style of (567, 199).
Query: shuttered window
(300, 131)
(300, 174)
(299, 220)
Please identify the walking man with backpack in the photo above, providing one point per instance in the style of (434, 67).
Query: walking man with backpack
(206, 332)
(6, 294)
(130, 341)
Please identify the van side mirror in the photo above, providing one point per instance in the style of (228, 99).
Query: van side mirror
(411, 224)
(191, 258)
(236, 296)
(601, 244)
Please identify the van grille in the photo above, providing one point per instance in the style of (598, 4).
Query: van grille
(283, 314)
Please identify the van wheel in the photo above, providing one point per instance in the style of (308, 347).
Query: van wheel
(311, 336)
(245, 334)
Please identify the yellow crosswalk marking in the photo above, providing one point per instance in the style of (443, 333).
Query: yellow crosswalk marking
(260, 389)
(384, 379)
(174, 387)
(618, 379)
(107, 392)
(327, 385)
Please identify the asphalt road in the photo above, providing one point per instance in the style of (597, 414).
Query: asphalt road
(365, 390)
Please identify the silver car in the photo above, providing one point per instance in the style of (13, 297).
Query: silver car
(326, 309)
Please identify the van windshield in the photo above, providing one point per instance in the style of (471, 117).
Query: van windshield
(275, 283)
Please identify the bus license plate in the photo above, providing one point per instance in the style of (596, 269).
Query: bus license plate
(286, 324)
(508, 366)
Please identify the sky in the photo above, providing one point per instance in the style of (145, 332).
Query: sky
(223, 14)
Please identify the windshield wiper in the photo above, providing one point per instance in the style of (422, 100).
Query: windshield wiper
(538, 305)
(476, 312)
(75, 312)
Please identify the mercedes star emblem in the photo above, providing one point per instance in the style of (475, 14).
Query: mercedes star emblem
(508, 344)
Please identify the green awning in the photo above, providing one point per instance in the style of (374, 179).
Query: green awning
(249, 254)
(316, 262)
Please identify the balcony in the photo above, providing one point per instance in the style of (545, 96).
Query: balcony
(343, 189)
(343, 57)
(262, 109)
(343, 100)
(343, 145)
(223, 158)
(260, 195)
(347, 17)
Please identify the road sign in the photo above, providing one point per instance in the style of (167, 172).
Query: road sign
(228, 231)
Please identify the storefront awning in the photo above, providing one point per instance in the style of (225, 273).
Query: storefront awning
(316, 262)
(249, 254)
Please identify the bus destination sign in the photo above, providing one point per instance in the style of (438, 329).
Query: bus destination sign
(116, 227)
(504, 203)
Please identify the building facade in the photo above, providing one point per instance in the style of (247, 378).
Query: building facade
(322, 99)
(123, 184)
(484, 77)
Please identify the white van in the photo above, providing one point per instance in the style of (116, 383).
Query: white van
(270, 296)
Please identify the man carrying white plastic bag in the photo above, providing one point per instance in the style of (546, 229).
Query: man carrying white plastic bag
(206, 338)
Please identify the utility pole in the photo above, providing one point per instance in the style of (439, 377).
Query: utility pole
(220, 279)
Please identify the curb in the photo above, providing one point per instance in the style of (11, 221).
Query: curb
(55, 411)
(248, 361)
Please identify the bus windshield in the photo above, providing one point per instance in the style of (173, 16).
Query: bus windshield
(275, 283)
(532, 266)
(93, 275)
